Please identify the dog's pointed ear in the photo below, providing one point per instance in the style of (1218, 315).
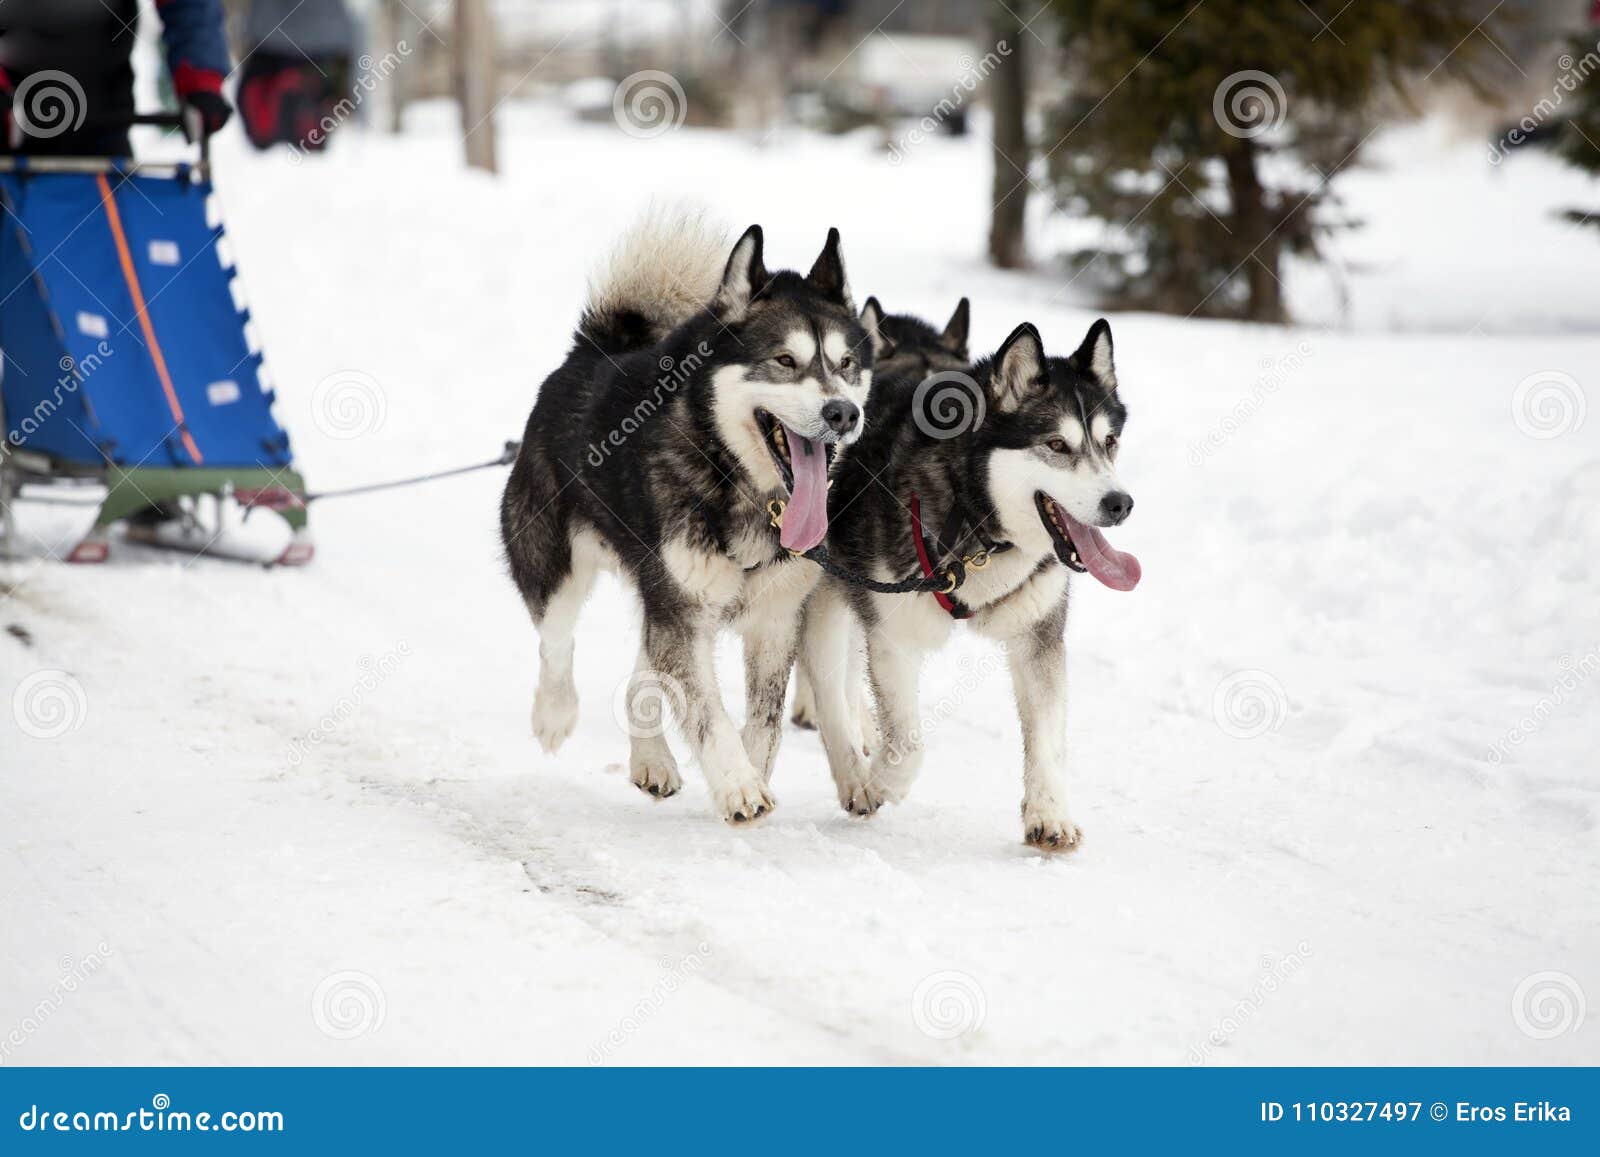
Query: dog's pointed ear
(827, 275)
(1094, 356)
(954, 337)
(872, 322)
(745, 276)
(1018, 370)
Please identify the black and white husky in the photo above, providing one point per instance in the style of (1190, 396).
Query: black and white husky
(1010, 465)
(697, 391)
(905, 351)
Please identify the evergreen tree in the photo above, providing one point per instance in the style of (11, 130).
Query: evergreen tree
(1207, 133)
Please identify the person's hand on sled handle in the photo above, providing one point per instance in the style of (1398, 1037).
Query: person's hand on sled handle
(201, 90)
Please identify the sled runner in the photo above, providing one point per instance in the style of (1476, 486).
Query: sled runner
(127, 362)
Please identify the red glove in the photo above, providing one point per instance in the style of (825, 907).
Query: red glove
(201, 90)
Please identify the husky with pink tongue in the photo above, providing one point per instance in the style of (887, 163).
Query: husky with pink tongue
(703, 394)
(1010, 467)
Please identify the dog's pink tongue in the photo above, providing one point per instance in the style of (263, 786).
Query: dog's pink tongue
(805, 519)
(1118, 569)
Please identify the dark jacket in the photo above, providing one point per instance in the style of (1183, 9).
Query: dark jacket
(91, 41)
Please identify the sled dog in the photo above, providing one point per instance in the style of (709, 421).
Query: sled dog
(700, 387)
(905, 351)
(1009, 465)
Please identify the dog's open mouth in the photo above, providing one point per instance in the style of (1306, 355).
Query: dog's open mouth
(1084, 549)
(803, 465)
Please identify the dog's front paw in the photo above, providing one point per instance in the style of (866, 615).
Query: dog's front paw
(555, 715)
(861, 798)
(744, 801)
(656, 776)
(1050, 829)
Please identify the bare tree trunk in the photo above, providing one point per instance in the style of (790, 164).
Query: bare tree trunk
(475, 82)
(1008, 96)
(1259, 246)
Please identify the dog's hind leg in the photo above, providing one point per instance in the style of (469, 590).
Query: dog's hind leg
(652, 767)
(805, 702)
(555, 702)
(825, 659)
(1039, 677)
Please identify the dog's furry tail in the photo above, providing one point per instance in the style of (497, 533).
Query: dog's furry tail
(663, 271)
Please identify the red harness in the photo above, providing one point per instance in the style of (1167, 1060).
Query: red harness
(953, 607)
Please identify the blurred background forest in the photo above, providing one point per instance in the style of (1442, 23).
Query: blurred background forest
(1193, 144)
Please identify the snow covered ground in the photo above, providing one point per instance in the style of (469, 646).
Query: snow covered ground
(1335, 758)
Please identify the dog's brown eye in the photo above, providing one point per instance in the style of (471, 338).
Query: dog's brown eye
(1059, 445)
(785, 361)
(846, 362)
(1111, 443)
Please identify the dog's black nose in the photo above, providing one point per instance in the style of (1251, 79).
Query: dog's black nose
(841, 415)
(1115, 507)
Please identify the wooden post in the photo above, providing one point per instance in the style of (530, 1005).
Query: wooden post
(1008, 97)
(476, 86)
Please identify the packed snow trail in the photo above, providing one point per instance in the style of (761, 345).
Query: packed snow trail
(301, 817)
